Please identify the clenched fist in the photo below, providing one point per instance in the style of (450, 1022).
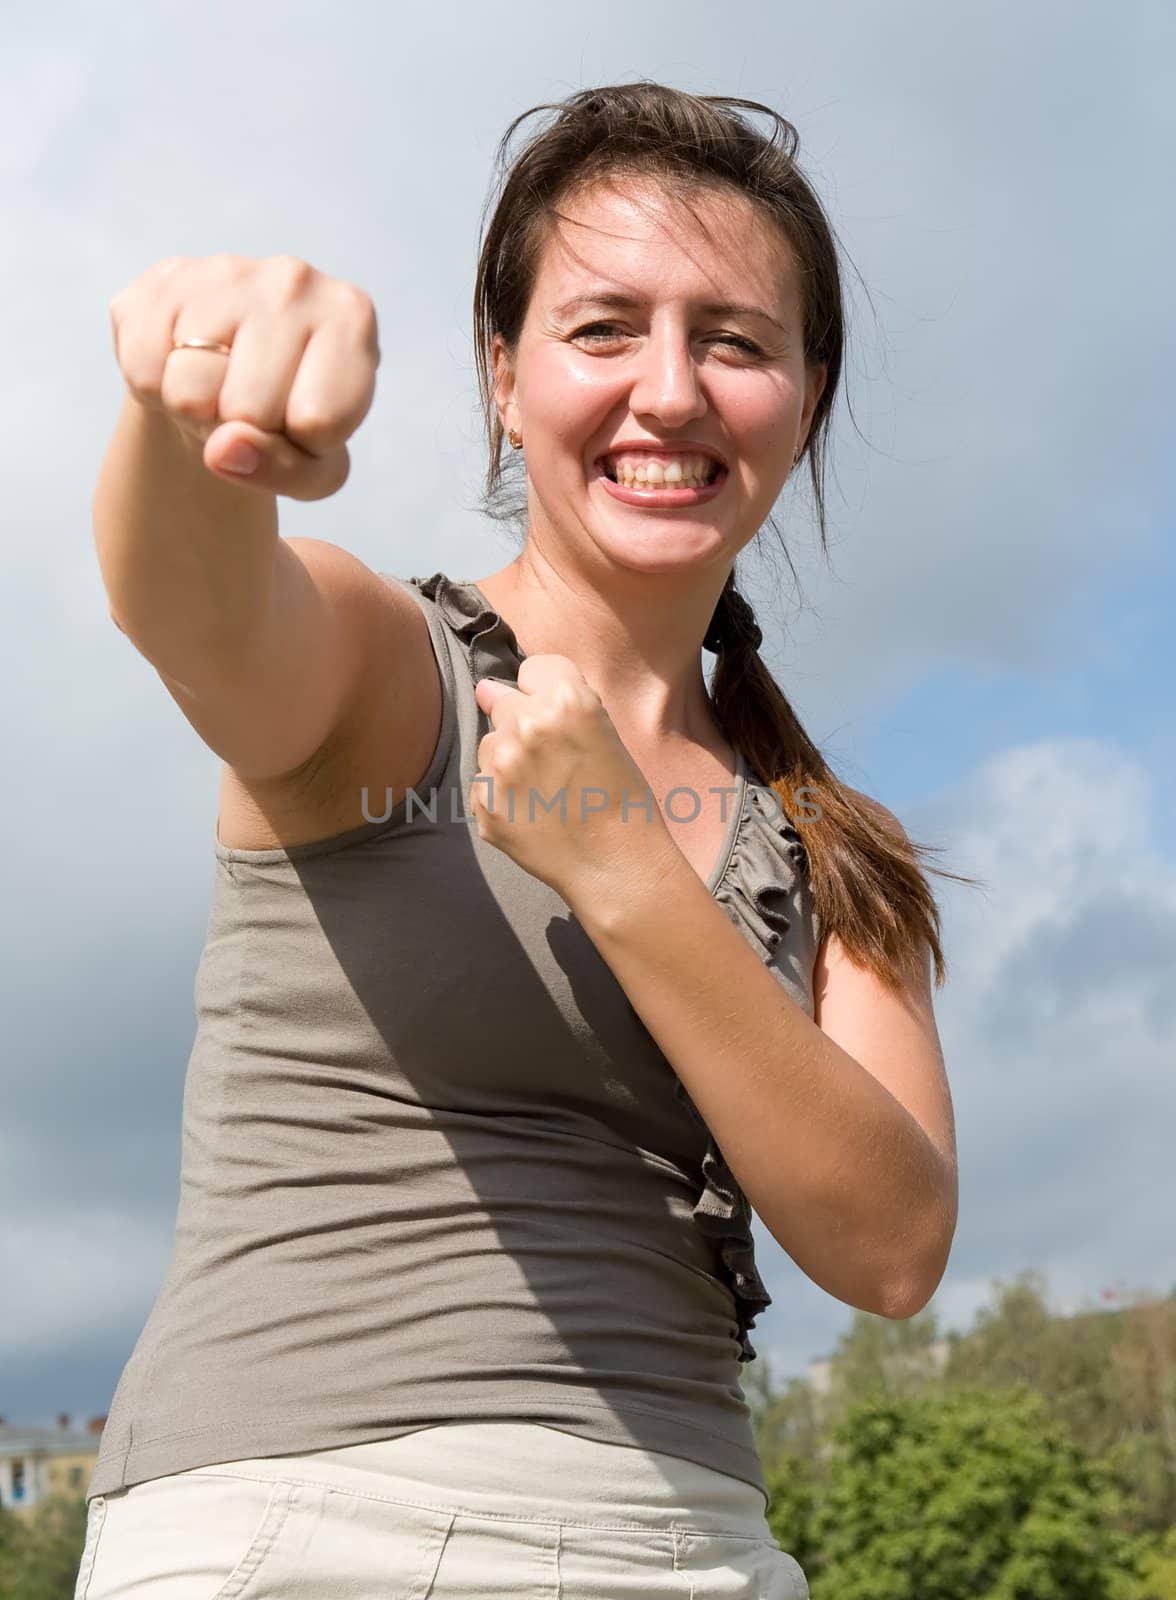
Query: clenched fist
(297, 383)
(556, 788)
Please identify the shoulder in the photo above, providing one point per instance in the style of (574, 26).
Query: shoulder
(881, 815)
(353, 588)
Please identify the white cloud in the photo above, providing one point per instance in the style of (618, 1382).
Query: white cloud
(1058, 1024)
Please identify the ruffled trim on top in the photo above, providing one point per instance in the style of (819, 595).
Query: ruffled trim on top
(756, 888)
(493, 649)
(766, 860)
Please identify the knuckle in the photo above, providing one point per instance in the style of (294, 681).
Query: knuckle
(139, 380)
(509, 756)
(144, 393)
(355, 299)
(289, 277)
(316, 426)
(157, 273)
(188, 403)
(297, 268)
(225, 266)
(142, 373)
(192, 410)
(359, 308)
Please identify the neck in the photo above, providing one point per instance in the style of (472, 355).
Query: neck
(640, 654)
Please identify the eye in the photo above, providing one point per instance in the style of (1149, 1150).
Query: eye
(589, 331)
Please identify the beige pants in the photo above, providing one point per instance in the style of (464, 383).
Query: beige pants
(460, 1511)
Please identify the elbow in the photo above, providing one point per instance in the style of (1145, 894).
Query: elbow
(908, 1294)
(903, 1302)
(913, 1284)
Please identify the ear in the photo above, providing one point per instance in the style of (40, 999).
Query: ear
(504, 383)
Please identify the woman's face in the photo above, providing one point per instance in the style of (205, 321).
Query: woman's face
(667, 367)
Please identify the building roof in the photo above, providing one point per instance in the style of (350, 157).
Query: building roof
(67, 1438)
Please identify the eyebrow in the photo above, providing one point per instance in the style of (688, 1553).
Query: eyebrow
(626, 302)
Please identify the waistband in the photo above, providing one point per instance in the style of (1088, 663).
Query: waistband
(525, 1471)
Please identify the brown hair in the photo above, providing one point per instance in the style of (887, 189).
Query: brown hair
(867, 882)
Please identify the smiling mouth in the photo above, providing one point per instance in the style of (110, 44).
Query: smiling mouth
(610, 472)
(659, 496)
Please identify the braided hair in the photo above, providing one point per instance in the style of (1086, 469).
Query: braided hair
(733, 625)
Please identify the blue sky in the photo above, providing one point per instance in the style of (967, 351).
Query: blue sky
(990, 652)
(1117, 685)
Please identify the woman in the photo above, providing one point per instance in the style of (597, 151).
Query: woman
(487, 1077)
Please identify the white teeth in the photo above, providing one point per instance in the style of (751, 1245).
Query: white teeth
(690, 472)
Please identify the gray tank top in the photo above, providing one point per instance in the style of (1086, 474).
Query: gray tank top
(434, 1167)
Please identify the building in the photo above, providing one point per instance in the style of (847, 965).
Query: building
(39, 1461)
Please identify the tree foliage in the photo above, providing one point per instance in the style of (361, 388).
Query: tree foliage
(966, 1496)
(1033, 1456)
(40, 1553)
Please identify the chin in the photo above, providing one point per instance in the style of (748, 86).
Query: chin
(657, 552)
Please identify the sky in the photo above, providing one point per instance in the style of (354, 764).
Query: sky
(988, 648)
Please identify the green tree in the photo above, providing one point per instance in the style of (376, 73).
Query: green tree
(40, 1554)
(1109, 1377)
(1068, 1360)
(9, 1534)
(969, 1495)
(1157, 1568)
(1143, 1385)
(881, 1356)
(792, 1491)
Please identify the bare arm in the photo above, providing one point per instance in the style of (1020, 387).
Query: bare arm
(187, 558)
(260, 640)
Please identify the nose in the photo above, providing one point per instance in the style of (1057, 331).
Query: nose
(666, 384)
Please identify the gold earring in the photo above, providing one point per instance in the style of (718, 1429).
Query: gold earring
(516, 440)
